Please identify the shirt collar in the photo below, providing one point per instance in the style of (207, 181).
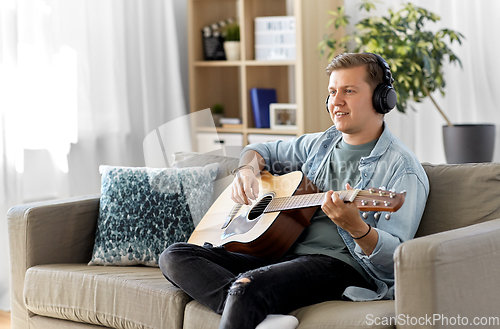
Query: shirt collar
(380, 148)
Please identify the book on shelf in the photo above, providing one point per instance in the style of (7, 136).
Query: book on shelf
(261, 99)
(230, 121)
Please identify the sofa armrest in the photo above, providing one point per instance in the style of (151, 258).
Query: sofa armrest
(48, 232)
(449, 276)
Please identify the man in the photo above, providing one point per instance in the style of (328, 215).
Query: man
(343, 253)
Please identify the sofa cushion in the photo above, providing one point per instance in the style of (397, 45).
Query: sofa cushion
(327, 315)
(460, 195)
(144, 210)
(226, 165)
(193, 159)
(116, 297)
(341, 314)
(44, 322)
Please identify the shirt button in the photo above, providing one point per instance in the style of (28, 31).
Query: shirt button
(366, 175)
(325, 146)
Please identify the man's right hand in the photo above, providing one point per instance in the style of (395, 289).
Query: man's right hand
(245, 187)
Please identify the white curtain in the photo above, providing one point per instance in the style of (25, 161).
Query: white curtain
(82, 82)
(472, 93)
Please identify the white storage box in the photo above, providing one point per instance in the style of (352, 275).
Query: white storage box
(263, 53)
(275, 24)
(275, 39)
(229, 144)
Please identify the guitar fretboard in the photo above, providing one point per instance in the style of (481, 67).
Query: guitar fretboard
(305, 201)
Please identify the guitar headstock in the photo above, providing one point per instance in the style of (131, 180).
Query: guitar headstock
(379, 200)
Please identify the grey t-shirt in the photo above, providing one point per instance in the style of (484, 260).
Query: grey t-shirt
(322, 236)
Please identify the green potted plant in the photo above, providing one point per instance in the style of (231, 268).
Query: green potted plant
(231, 36)
(217, 113)
(416, 57)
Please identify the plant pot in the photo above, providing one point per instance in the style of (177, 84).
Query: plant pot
(232, 50)
(469, 143)
(217, 118)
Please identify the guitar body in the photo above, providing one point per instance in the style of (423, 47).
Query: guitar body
(269, 227)
(245, 229)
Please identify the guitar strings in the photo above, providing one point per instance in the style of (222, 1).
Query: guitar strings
(316, 196)
(297, 201)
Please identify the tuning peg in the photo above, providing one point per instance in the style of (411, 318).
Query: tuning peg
(393, 190)
(382, 188)
(377, 215)
(388, 216)
(364, 215)
(403, 192)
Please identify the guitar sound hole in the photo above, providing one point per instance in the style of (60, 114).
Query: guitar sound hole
(259, 207)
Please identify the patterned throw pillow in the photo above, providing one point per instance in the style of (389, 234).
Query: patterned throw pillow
(144, 210)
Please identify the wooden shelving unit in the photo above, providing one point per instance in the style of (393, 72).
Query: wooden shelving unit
(302, 81)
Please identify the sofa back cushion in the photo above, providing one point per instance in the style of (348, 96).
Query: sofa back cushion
(226, 165)
(460, 195)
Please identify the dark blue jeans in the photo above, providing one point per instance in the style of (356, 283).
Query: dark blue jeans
(245, 289)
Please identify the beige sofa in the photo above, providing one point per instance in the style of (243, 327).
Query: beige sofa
(441, 278)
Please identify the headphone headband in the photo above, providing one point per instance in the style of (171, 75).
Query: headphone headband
(384, 97)
(388, 79)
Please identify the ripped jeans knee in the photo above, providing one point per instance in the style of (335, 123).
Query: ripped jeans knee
(243, 280)
(252, 293)
(238, 287)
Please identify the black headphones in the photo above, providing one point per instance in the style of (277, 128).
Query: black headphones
(384, 96)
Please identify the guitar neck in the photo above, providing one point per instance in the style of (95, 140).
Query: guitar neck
(305, 200)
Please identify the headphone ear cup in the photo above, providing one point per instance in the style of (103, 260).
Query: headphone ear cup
(384, 98)
(391, 99)
(327, 99)
(377, 98)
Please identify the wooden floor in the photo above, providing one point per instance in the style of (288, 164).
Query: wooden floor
(4, 320)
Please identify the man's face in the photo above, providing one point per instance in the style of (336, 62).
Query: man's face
(350, 104)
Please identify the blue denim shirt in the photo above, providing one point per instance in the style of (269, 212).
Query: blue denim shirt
(391, 165)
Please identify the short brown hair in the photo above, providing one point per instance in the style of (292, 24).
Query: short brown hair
(348, 60)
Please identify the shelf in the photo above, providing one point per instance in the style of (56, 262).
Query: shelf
(219, 130)
(301, 81)
(268, 131)
(217, 63)
(270, 63)
(217, 85)
(243, 63)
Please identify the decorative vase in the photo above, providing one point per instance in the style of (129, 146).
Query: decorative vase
(469, 143)
(232, 50)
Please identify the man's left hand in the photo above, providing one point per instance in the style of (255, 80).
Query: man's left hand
(344, 214)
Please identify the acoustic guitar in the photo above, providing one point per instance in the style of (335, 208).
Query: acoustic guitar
(285, 205)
